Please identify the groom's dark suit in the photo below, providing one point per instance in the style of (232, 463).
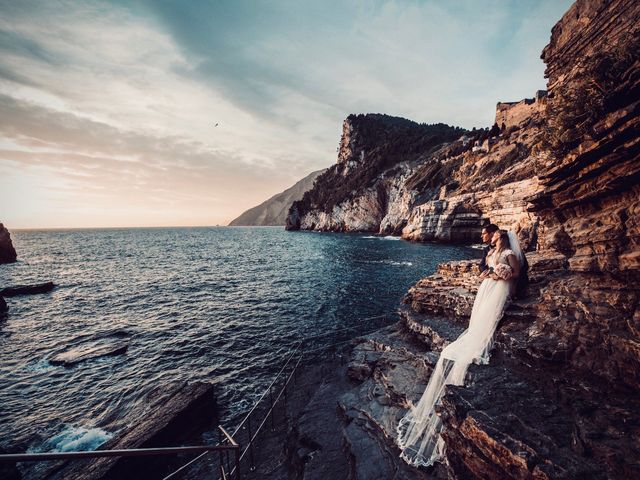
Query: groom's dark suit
(483, 262)
(523, 279)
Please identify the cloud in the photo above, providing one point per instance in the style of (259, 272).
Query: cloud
(118, 102)
(431, 61)
(96, 163)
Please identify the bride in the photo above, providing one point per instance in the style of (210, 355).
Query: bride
(419, 430)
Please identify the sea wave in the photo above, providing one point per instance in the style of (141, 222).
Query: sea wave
(75, 439)
(380, 237)
(390, 262)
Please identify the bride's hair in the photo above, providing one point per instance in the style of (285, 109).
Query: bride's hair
(504, 236)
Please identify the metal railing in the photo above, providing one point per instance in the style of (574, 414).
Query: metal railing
(265, 406)
(227, 445)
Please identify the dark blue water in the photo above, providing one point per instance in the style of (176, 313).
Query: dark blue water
(213, 304)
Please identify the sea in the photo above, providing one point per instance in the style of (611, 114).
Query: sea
(215, 304)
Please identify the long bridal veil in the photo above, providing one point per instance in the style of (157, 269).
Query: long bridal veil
(419, 430)
(515, 246)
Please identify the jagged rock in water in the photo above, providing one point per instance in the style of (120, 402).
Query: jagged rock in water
(27, 289)
(90, 351)
(7, 252)
(4, 308)
(274, 210)
(172, 414)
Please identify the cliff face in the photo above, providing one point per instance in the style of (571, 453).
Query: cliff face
(274, 210)
(365, 190)
(590, 198)
(559, 398)
(7, 252)
(440, 193)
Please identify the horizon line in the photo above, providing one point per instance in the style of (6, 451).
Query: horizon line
(135, 227)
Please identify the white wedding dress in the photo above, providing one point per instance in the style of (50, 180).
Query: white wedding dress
(419, 430)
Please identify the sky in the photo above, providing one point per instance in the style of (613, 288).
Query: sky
(174, 113)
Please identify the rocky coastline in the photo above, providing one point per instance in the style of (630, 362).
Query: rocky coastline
(559, 398)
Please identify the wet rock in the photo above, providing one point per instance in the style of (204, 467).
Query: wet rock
(27, 289)
(4, 308)
(171, 414)
(7, 252)
(319, 435)
(90, 351)
(515, 421)
(372, 408)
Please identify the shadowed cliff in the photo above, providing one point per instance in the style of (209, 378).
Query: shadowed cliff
(274, 210)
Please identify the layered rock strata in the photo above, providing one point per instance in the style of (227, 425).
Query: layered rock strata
(566, 372)
(365, 190)
(518, 417)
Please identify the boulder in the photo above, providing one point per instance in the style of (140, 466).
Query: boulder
(4, 308)
(172, 414)
(7, 252)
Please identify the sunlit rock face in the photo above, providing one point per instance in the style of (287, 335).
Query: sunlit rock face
(366, 189)
(429, 183)
(7, 252)
(274, 210)
(590, 198)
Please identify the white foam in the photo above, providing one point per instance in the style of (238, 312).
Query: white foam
(389, 262)
(388, 237)
(75, 439)
(39, 366)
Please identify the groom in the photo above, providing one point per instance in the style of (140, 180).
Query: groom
(487, 236)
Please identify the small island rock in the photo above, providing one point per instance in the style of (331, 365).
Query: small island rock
(7, 252)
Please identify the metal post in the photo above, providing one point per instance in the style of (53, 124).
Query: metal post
(220, 443)
(228, 464)
(238, 463)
